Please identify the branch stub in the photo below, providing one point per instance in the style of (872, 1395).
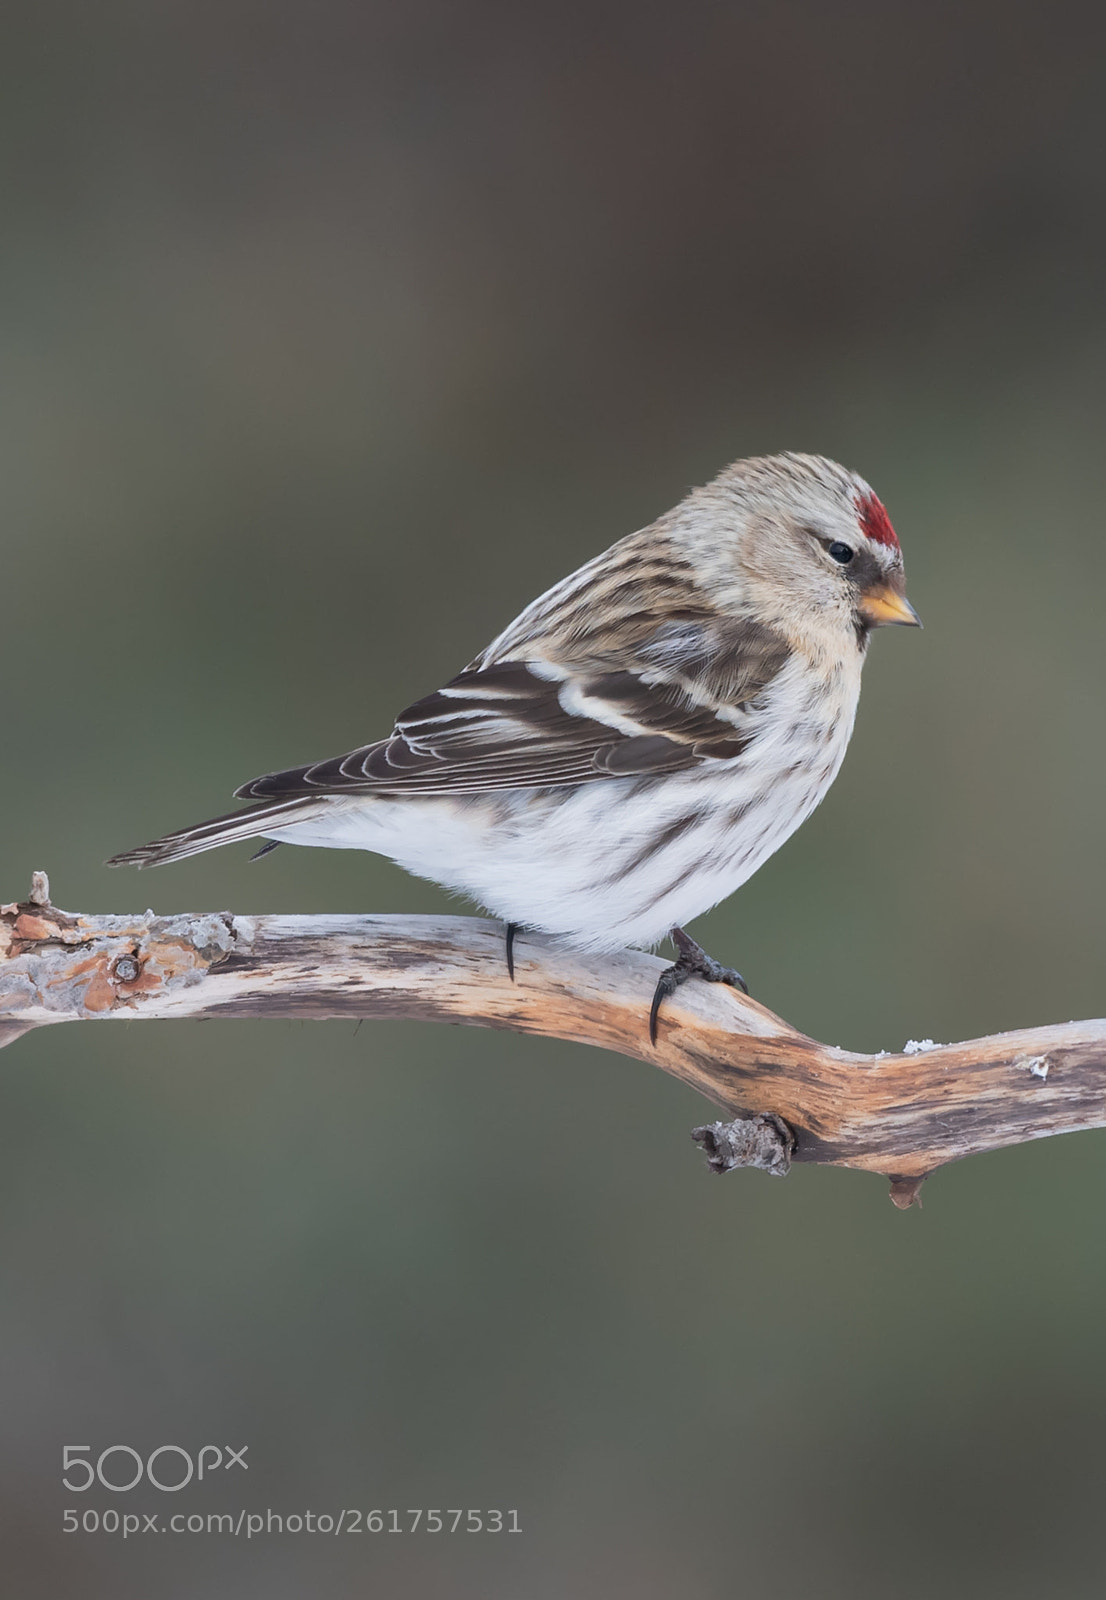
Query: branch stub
(764, 1142)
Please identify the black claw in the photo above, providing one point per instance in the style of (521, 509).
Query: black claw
(512, 929)
(265, 848)
(668, 982)
(692, 961)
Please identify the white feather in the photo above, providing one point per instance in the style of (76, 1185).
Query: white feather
(562, 860)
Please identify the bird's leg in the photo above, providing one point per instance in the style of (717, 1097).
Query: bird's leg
(512, 929)
(692, 961)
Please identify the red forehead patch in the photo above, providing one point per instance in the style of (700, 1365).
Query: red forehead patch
(875, 522)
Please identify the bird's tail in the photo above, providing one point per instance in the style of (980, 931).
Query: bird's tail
(248, 824)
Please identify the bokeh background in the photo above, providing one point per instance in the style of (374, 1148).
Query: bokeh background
(331, 333)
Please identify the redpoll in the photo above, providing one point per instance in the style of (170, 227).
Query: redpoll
(641, 738)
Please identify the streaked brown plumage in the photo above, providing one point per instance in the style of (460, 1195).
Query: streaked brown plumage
(633, 746)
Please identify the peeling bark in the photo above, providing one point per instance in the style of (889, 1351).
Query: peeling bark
(902, 1115)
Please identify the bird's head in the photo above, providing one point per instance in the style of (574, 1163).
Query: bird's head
(803, 544)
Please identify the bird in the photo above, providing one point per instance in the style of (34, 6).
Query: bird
(639, 740)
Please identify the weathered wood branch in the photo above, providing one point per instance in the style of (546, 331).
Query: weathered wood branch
(795, 1099)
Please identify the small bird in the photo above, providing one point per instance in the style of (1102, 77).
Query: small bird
(640, 739)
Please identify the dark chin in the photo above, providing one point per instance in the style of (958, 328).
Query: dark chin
(863, 632)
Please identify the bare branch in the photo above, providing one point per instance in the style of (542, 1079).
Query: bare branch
(793, 1099)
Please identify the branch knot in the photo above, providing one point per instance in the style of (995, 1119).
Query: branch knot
(765, 1142)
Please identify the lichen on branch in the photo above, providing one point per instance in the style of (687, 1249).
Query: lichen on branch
(789, 1098)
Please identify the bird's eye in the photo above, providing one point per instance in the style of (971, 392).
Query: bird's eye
(841, 552)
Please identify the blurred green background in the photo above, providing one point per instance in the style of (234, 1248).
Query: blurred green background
(331, 334)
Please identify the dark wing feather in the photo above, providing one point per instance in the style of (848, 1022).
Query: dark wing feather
(504, 725)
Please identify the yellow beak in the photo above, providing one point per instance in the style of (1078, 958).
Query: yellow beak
(882, 604)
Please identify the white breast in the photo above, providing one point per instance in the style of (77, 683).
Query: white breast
(619, 862)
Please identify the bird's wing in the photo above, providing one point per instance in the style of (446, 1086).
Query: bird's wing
(678, 699)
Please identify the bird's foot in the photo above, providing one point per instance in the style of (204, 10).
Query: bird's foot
(692, 961)
(512, 929)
